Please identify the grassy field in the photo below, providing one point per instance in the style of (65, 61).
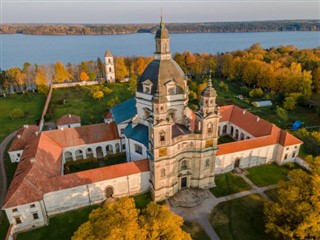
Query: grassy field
(267, 174)
(60, 227)
(240, 219)
(32, 111)
(195, 230)
(228, 184)
(142, 200)
(79, 101)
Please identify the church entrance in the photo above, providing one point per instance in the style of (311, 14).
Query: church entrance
(237, 163)
(109, 192)
(183, 182)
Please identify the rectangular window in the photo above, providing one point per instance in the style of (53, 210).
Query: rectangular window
(18, 220)
(123, 146)
(138, 149)
(35, 216)
(32, 206)
(122, 131)
(15, 210)
(18, 155)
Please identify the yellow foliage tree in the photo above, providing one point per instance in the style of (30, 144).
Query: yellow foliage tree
(121, 70)
(295, 215)
(61, 74)
(84, 76)
(98, 95)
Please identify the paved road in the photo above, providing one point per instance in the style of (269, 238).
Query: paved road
(201, 213)
(3, 175)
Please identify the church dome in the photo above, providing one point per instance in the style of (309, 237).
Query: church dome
(160, 72)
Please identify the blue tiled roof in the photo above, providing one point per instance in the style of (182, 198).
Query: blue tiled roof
(124, 111)
(139, 133)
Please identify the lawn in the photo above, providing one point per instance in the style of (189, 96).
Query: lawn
(228, 184)
(240, 219)
(32, 111)
(75, 167)
(272, 194)
(142, 200)
(225, 139)
(79, 101)
(267, 174)
(60, 227)
(195, 230)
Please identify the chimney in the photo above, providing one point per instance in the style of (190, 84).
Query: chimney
(26, 126)
(244, 112)
(18, 136)
(32, 160)
(69, 115)
(258, 119)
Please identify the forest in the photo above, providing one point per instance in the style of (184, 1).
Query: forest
(105, 29)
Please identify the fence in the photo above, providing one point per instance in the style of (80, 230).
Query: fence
(73, 84)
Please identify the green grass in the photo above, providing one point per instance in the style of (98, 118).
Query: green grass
(225, 139)
(142, 200)
(4, 225)
(240, 219)
(32, 111)
(79, 101)
(60, 227)
(228, 184)
(267, 174)
(92, 165)
(195, 230)
(272, 194)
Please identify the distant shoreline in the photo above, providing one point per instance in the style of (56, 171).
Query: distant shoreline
(116, 29)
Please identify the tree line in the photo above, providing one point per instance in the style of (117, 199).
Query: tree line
(105, 29)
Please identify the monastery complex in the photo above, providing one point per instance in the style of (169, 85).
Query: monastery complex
(168, 147)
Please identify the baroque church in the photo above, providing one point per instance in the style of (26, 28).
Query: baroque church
(168, 147)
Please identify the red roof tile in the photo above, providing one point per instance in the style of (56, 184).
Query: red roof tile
(89, 134)
(68, 119)
(23, 136)
(287, 139)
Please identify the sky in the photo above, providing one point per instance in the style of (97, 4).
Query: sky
(142, 11)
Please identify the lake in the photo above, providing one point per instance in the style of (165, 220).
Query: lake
(18, 48)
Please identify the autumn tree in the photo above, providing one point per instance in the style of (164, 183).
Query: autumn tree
(295, 215)
(61, 74)
(121, 70)
(41, 81)
(98, 94)
(133, 84)
(282, 114)
(84, 76)
(201, 87)
(122, 220)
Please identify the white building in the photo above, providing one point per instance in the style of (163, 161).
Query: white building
(168, 147)
(109, 66)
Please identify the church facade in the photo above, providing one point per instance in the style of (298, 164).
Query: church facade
(168, 147)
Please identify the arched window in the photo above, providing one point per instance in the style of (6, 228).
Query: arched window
(146, 89)
(293, 154)
(110, 69)
(184, 165)
(68, 156)
(162, 172)
(172, 90)
(109, 149)
(79, 155)
(117, 147)
(207, 164)
(210, 128)
(162, 136)
(89, 153)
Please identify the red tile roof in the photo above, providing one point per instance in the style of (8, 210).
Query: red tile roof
(89, 134)
(287, 139)
(68, 119)
(23, 136)
(245, 120)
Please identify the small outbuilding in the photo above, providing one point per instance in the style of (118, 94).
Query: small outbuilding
(69, 121)
(262, 103)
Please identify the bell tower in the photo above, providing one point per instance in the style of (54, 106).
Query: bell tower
(162, 43)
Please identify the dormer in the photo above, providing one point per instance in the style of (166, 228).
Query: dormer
(171, 87)
(147, 86)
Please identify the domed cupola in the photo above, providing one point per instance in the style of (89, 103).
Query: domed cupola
(208, 98)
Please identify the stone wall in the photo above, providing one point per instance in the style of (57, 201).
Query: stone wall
(73, 84)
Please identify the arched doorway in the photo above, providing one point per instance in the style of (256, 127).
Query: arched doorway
(237, 163)
(79, 154)
(99, 152)
(109, 192)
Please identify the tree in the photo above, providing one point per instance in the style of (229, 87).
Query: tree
(201, 87)
(256, 92)
(61, 74)
(160, 223)
(133, 84)
(84, 76)
(41, 81)
(121, 70)
(116, 220)
(107, 90)
(98, 95)
(122, 220)
(282, 114)
(295, 215)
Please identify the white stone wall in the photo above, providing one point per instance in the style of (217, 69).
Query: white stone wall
(69, 126)
(73, 198)
(15, 155)
(248, 158)
(130, 150)
(25, 213)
